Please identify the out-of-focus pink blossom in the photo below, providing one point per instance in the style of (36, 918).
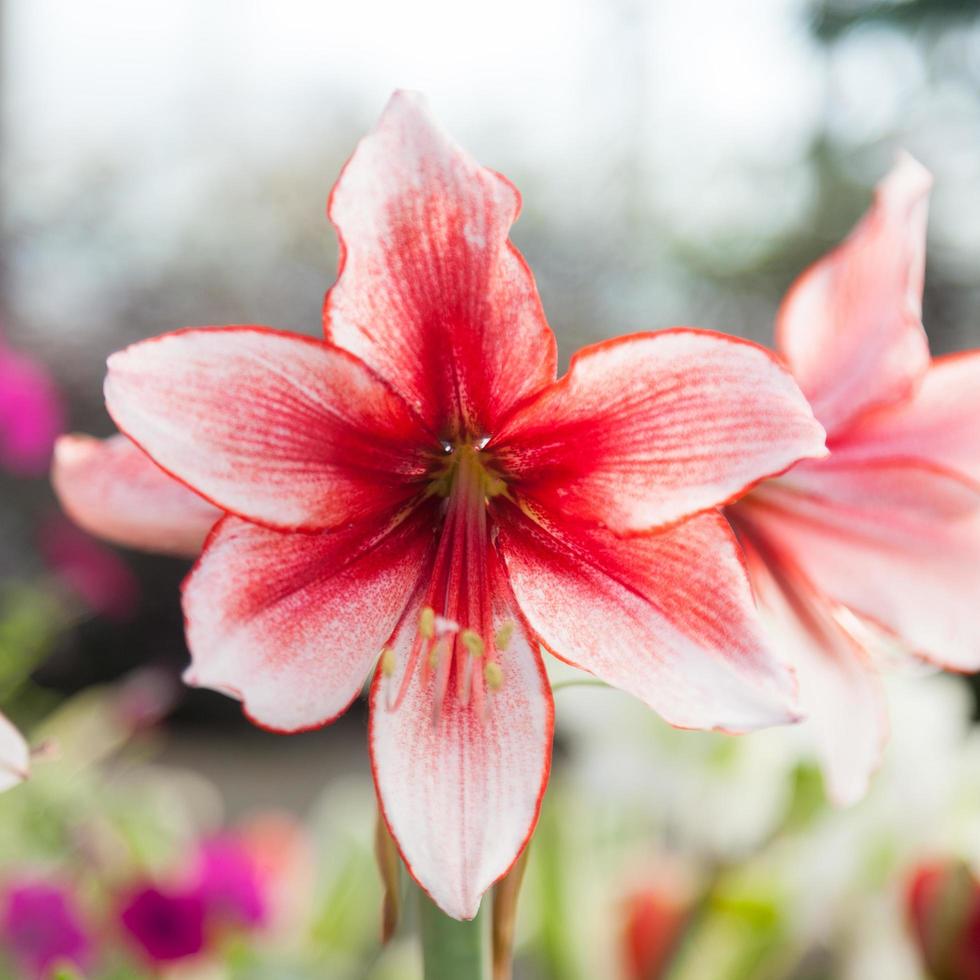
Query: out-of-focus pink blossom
(228, 881)
(655, 913)
(166, 925)
(41, 927)
(31, 414)
(943, 908)
(93, 572)
(879, 544)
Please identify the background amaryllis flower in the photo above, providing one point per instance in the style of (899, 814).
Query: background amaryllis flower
(888, 527)
(15, 756)
(419, 493)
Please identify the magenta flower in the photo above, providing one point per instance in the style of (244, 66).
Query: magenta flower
(227, 880)
(882, 539)
(31, 414)
(41, 928)
(167, 925)
(418, 493)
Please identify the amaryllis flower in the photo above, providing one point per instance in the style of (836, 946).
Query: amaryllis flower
(41, 928)
(418, 494)
(879, 543)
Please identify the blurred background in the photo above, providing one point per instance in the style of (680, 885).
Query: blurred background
(165, 164)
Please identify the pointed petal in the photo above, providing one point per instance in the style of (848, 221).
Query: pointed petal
(113, 490)
(668, 618)
(430, 293)
(895, 542)
(648, 429)
(938, 424)
(850, 326)
(277, 428)
(15, 756)
(461, 792)
(292, 623)
(840, 690)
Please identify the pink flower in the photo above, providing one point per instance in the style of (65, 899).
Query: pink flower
(227, 879)
(881, 541)
(167, 925)
(418, 493)
(86, 567)
(41, 928)
(31, 414)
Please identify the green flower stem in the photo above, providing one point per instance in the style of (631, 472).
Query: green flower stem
(453, 950)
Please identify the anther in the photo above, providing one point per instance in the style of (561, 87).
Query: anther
(504, 635)
(473, 642)
(494, 486)
(427, 622)
(493, 674)
(387, 661)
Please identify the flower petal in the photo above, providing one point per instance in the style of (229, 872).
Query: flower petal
(112, 489)
(850, 326)
(430, 293)
(648, 429)
(461, 790)
(668, 618)
(900, 547)
(938, 424)
(840, 690)
(291, 623)
(277, 428)
(15, 756)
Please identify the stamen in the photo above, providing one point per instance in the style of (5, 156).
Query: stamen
(493, 674)
(504, 635)
(388, 662)
(473, 642)
(427, 622)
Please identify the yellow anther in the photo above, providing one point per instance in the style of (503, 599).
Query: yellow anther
(427, 622)
(504, 635)
(473, 642)
(387, 661)
(494, 486)
(493, 674)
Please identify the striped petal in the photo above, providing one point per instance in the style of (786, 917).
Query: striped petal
(460, 787)
(840, 690)
(431, 294)
(113, 490)
(276, 428)
(937, 425)
(668, 618)
(291, 624)
(851, 325)
(896, 542)
(648, 429)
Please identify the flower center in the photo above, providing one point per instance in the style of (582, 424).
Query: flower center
(456, 645)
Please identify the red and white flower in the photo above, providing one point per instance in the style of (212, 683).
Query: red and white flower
(880, 542)
(418, 497)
